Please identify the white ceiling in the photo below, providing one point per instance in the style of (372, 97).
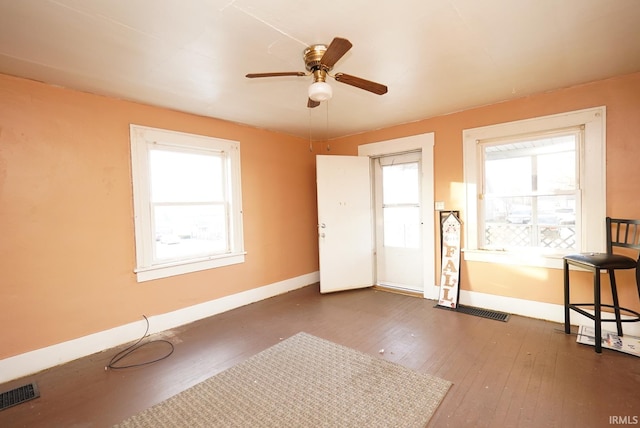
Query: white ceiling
(436, 56)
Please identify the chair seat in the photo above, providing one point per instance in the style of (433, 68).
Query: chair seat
(620, 233)
(602, 260)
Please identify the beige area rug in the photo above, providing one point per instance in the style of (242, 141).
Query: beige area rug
(303, 381)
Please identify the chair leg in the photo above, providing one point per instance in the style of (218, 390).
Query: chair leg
(567, 320)
(638, 277)
(597, 311)
(616, 304)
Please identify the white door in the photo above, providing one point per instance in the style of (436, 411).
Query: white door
(398, 208)
(344, 222)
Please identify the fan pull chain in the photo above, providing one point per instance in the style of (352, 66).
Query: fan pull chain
(326, 134)
(310, 140)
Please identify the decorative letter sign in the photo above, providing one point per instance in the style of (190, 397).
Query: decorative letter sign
(450, 277)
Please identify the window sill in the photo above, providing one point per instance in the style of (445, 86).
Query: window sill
(551, 261)
(188, 266)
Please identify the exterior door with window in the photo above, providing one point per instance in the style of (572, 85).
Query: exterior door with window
(402, 262)
(345, 213)
(399, 258)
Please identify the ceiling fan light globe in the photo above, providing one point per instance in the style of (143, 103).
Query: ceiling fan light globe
(320, 91)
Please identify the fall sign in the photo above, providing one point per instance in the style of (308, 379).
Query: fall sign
(450, 276)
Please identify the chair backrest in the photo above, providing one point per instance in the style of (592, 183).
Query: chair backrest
(623, 233)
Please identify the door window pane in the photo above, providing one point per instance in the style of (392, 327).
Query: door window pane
(400, 184)
(401, 205)
(401, 227)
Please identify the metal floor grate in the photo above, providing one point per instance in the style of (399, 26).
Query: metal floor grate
(484, 313)
(18, 395)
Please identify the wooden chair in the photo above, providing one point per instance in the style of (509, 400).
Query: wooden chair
(620, 233)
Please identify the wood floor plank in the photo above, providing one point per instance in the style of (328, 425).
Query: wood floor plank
(520, 373)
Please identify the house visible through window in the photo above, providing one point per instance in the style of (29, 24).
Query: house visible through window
(187, 202)
(535, 189)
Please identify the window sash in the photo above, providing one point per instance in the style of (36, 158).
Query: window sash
(171, 176)
(528, 222)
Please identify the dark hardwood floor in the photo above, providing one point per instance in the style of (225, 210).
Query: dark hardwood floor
(522, 373)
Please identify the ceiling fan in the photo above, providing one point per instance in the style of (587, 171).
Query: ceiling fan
(319, 61)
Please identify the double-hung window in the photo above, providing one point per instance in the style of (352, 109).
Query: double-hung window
(187, 202)
(529, 190)
(535, 188)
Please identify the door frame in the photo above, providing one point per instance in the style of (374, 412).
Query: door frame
(425, 143)
(390, 269)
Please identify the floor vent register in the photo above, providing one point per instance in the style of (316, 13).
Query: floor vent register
(18, 395)
(479, 312)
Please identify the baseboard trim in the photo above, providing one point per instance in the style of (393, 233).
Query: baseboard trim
(539, 310)
(40, 359)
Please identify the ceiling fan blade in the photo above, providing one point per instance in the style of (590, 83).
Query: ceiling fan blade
(279, 74)
(361, 83)
(335, 51)
(312, 104)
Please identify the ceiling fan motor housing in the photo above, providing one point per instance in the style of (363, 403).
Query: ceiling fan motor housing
(313, 56)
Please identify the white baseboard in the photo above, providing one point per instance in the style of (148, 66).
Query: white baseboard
(539, 310)
(34, 361)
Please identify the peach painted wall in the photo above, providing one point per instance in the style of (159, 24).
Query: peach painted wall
(67, 249)
(621, 96)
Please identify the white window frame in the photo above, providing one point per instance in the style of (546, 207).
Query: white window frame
(143, 139)
(592, 195)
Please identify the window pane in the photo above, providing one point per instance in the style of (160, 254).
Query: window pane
(541, 222)
(400, 184)
(401, 227)
(556, 172)
(529, 198)
(542, 165)
(184, 231)
(185, 177)
(508, 176)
